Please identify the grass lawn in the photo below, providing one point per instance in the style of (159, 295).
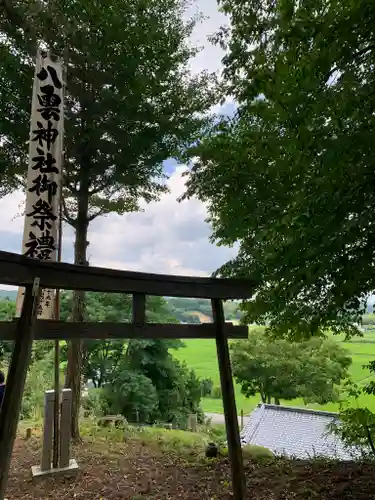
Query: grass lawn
(200, 354)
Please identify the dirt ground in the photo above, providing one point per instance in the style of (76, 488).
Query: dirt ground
(137, 472)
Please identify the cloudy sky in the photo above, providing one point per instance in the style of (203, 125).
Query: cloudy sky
(167, 237)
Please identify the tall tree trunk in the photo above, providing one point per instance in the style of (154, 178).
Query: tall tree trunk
(370, 440)
(75, 347)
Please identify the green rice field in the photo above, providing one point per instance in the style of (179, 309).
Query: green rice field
(200, 354)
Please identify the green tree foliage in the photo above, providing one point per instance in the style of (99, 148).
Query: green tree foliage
(102, 357)
(39, 350)
(356, 428)
(290, 177)
(140, 378)
(150, 385)
(40, 378)
(178, 389)
(133, 395)
(356, 425)
(131, 103)
(277, 369)
(7, 313)
(7, 309)
(114, 307)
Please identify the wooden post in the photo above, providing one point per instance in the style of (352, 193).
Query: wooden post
(241, 420)
(230, 411)
(139, 309)
(193, 422)
(56, 411)
(65, 428)
(10, 411)
(49, 401)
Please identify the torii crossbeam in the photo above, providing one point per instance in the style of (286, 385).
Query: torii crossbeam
(34, 275)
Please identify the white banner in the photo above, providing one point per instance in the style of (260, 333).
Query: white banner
(40, 237)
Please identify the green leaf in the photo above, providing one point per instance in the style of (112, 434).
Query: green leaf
(290, 178)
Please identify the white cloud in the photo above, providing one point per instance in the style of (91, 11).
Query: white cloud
(168, 237)
(11, 214)
(211, 55)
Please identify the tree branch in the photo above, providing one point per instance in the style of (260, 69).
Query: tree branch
(68, 183)
(97, 214)
(99, 188)
(66, 216)
(357, 55)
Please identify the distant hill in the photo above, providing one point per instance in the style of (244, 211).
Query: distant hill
(202, 317)
(184, 310)
(10, 294)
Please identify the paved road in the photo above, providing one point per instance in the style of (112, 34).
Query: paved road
(218, 418)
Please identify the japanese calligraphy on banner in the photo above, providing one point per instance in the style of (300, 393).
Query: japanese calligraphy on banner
(40, 237)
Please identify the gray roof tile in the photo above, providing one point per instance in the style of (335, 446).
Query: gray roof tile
(294, 432)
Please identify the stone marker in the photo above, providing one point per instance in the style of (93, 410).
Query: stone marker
(66, 464)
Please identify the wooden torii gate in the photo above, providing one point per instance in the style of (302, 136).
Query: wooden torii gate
(34, 275)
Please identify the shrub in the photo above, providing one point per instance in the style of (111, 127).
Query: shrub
(356, 428)
(177, 441)
(95, 403)
(39, 379)
(133, 395)
(217, 434)
(252, 452)
(206, 387)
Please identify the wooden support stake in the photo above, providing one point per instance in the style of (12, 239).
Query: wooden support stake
(193, 422)
(230, 411)
(65, 428)
(56, 409)
(10, 411)
(139, 308)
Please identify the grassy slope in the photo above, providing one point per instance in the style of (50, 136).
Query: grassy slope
(201, 355)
